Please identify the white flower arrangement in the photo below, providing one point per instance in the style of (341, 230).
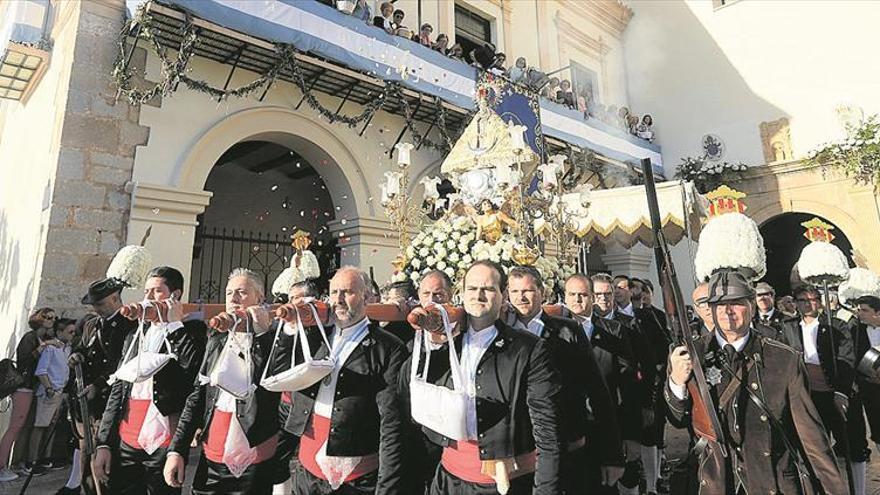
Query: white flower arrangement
(456, 247)
(861, 282)
(131, 265)
(308, 269)
(282, 282)
(823, 261)
(731, 240)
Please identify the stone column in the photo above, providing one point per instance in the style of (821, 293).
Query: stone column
(634, 262)
(89, 205)
(367, 242)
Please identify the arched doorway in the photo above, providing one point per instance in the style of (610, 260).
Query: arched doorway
(784, 240)
(263, 192)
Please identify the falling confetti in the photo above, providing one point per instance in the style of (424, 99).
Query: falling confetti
(343, 221)
(255, 249)
(156, 211)
(274, 188)
(298, 165)
(341, 234)
(338, 208)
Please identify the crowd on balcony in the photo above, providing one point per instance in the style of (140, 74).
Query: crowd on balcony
(486, 58)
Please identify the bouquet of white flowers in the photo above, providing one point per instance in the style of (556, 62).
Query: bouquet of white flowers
(716, 249)
(130, 266)
(823, 261)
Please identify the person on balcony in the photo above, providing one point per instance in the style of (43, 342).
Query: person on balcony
(384, 20)
(564, 95)
(441, 44)
(550, 91)
(424, 36)
(397, 27)
(517, 73)
(645, 129)
(497, 67)
(456, 53)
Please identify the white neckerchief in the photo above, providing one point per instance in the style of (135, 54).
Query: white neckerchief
(810, 334)
(474, 346)
(874, 336)
(238, 454)
(535, 326)
(345, 340)
(628, 310)
(738, 344)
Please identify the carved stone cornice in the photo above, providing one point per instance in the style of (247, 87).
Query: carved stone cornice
(612, 15)
(579, 40)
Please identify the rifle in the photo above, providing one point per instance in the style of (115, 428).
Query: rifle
(88, 439)
(704, 417)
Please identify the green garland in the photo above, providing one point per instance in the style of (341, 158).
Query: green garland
(173, 72)
(857, 156)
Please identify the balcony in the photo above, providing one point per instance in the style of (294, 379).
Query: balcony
(340, 55)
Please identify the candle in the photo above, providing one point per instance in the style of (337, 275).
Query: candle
(403, 150)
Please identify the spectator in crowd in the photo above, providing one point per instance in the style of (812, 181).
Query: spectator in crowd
(550, 91)
(518, 71)
(787, 306)
(362, 11)
(483, 56)
(622, 119)
(27, 355)
(424, 36)
(397, 27)
(441, 44)
(384, 20)
(497, 67)
(584, 101)
(456, 53)
(52, 373)
(564, 95)
(632, 124)
(645, 129)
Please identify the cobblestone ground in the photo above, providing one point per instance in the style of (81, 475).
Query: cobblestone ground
(50, 482)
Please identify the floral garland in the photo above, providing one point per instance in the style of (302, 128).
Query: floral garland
(857, 156)
(174, 71)
(451, 245)
(708, 176)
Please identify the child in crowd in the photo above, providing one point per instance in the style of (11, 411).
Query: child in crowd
(52, 373)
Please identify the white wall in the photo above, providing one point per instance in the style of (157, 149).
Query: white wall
(702, 70)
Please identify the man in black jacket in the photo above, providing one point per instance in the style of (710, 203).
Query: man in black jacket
(141, 416)
(865, 400)
(829, 358)
(349, 423)
(240, 432)
(98, 350)
(513, 429)
(612, 349)
(766, 315)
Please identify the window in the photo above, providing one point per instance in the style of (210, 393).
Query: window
(471, 29)
(583, 78)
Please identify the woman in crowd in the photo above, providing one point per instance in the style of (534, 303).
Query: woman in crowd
(27, 354)
(441, 44)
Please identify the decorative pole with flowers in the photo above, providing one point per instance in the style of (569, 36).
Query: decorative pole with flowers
(404, 214)
(517, 136)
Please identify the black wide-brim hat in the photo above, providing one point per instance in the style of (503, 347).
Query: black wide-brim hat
(729, 285)
(101, 289)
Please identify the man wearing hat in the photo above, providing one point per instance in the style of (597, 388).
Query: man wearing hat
(759, 390)
(767, 315)
(98, 350)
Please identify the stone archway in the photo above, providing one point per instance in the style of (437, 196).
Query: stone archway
(784, 240)
(172, 210)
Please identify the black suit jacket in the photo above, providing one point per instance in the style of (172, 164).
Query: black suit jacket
(518, 398)
(777, 322)
(366, 415)
(756, 452)
(101, 347)
(171, 385)
(612, 348)
(586, 401)
(645, 357)
(258, 414)
(838, 368)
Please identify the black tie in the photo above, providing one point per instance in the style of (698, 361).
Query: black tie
(765, 319)
(732, 355)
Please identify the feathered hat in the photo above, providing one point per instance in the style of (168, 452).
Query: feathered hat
(861, 282)
(821, 261)
(731, 254)
(303, 265)
(129, 268)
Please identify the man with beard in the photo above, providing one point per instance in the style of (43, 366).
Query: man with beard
(829, 359)
(98, 351)
(349, 423)
(238, 416)
(142, 414)
(512, 416)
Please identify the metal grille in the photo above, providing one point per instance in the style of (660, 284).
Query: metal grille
(218, 251)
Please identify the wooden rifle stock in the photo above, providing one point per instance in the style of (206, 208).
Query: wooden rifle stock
(704, 417)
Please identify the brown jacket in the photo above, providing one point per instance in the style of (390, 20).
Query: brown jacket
(757, 457)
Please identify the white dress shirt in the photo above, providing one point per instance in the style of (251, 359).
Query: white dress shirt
(680, 391)
(810, 334)
(628, 310)
(345, 340)
(588, 327)
(874, 336)
(475, 344)
(766, 316)
(610, 315)
(535, 326)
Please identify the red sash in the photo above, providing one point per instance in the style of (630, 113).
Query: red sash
(316, 434)
(462, 460)
(215, 445)
(130, 427)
